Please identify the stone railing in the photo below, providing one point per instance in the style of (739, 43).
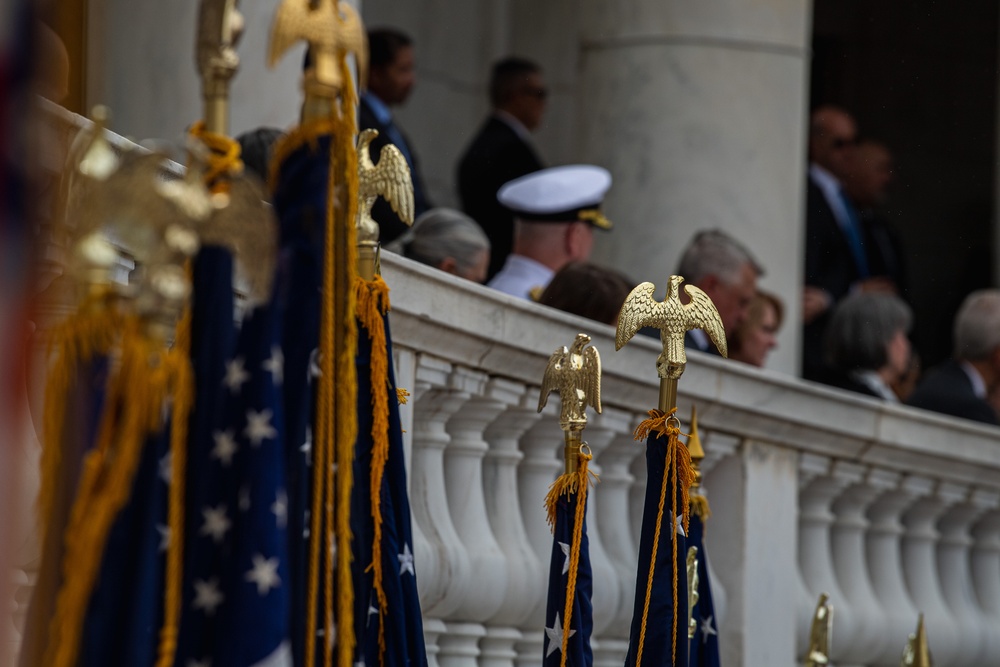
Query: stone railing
(890, 510)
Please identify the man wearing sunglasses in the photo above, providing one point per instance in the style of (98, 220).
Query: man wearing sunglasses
(837, 261)
(502, 150)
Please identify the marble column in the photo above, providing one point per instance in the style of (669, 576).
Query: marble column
(985, 565)
(698, 109)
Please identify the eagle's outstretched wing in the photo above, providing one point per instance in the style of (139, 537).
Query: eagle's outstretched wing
(247, 227)
(592, 377)
(550, 381)
(638, 311)
(291, 21)
(391, 179)
(702, 314)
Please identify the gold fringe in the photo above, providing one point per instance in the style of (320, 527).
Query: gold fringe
(565, 485)
(147, 376)
(679, 471)
(403, 396)
(699, 507)
(372, 304)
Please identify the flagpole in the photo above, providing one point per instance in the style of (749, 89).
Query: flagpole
(674, 319)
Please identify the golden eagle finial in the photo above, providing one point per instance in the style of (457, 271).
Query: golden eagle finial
(916, 652)
(673, 319)
(819, 634)
(390, 179)
(332, 30)
(220, 26)
(574, 373)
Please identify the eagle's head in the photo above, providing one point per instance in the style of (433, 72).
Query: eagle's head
(674, 284)
(579, 343)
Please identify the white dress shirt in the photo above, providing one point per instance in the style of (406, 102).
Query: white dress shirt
(520, 275)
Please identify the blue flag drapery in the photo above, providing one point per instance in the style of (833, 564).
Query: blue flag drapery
(387, 618)
(704, 646)
(567, 640)
(658, 636)
(235, 597)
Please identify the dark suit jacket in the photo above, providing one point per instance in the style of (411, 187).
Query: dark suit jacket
(844, 381)
(947, 389)
(691, 343)
(885, 251)
(382, 213)
(496, 155)
(830, 265)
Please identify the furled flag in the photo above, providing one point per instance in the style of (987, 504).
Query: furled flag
(704, 646)
(387, 619)
(658, 637)
(236, 594)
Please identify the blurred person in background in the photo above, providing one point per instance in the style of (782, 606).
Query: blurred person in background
(866, 344)
(757, 334)
(588, 290)
(448, 240)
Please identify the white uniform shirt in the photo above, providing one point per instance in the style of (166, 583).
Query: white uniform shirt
(520, 275)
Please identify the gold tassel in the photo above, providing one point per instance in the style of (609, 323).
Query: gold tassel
(700, 508)
(403, 396)
(223, 158)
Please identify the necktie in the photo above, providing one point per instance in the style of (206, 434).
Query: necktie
(853, 232)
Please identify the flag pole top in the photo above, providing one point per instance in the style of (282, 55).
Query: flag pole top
(575, 374)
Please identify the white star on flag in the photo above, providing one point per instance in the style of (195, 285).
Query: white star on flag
(679, 522)
(555, 635)
(198, 663)
(707, 629)
(307, 446)
(406, 561)
(565, 550)
(259, 427)
(207, 596)
(314, 369)
(236, 375)
(275, 366)
(243, 501)
(264, 573)
(166, 467)
(216, 523)
(225, 447)
(280, 508)
(164, 532)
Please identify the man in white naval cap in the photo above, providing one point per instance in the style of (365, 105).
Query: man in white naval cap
(555, 213)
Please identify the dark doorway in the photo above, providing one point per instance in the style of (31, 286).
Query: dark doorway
(921, 77)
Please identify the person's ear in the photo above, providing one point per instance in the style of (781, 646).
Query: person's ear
(574, 236)
(449, 265)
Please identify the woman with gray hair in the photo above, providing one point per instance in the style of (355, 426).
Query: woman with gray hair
(448, 240)
(866, 343)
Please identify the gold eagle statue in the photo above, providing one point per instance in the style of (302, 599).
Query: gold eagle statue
(819, 634)
(693, 582)
(331, 28)
(576, 375)
(390, 179)
(673, 319)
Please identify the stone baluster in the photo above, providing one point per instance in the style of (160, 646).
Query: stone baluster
(985, 564)
(443, 567)
(819, 486)
(542, 448)
(953, 553)
(526, 575)
(718, 447)
(483, 594)
(849, 562)
(613, 515)
(920, 566)
(637, 492)
(607, 588)
(884, 555)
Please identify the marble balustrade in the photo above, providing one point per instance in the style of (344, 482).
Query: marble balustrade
(890, 510)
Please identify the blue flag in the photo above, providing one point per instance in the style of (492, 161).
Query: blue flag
(387, 619)
(561, 566)
(236, 592)
(658, 637)
(704, 646)
(300, 204)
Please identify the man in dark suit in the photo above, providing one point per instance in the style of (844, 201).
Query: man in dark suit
(502, 151)
(837, 259)
(390, 80)
(960, 386)
(726, 271)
